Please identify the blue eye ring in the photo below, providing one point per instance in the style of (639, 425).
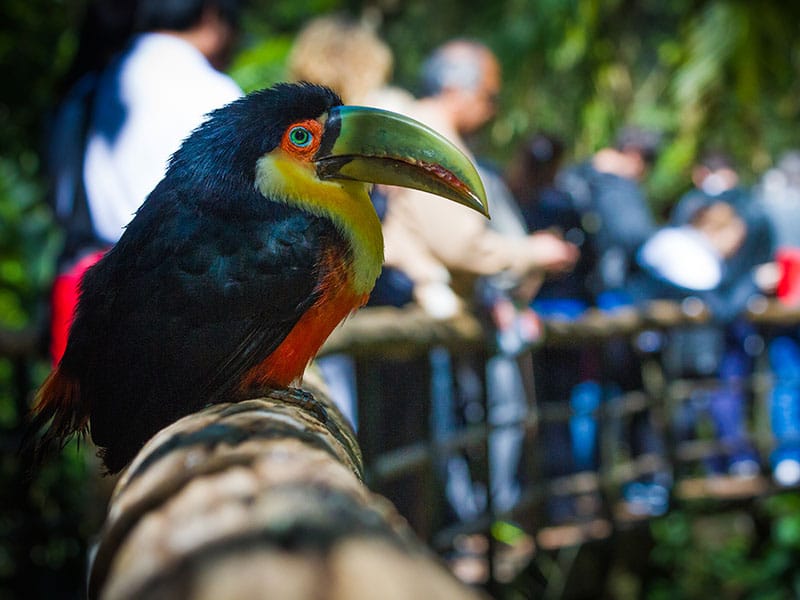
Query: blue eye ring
(300, 136)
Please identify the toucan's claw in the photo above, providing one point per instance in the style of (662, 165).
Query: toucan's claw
(302, 399)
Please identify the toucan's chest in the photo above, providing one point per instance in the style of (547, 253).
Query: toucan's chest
(336, 298)
(245, 299)
(259, 263)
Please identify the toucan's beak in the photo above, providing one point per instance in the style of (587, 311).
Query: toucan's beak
(378, 146)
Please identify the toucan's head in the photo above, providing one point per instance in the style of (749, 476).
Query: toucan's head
(255, 136)
(297, 144)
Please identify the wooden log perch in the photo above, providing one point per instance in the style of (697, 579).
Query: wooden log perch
(258, 499)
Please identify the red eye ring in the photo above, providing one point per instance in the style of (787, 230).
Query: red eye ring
(302, 139)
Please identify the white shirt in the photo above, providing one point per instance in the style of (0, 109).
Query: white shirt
(683, 256)
(147, 102)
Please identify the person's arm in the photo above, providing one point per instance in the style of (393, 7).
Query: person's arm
(461, 240)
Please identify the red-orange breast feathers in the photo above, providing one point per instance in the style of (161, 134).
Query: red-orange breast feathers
(336, 300)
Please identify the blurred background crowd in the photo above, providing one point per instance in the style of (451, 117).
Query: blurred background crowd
(631, 153)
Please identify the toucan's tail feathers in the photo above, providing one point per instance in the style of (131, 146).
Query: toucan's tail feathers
(58, 413)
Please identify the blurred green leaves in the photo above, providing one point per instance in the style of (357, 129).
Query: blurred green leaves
(262, 64)
(710, 551)
(28, 241)
(721, 72)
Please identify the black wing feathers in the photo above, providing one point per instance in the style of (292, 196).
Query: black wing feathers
(183, 307)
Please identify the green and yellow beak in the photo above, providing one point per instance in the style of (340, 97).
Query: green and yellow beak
(378, 146)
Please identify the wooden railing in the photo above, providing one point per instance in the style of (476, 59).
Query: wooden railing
(375, 335)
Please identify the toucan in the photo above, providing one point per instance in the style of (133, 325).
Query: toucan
(259, 240)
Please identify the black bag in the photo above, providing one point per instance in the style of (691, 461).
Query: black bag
(66, 151)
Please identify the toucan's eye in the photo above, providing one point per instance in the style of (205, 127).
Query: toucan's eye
(302, 139)
(300, 136)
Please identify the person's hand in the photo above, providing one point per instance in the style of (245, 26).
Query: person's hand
(528, 286)
(551, 253)
(437, 299)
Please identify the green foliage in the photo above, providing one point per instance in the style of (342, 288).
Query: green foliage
(262, 64)
(707, 551)
(27, 241)
(721, 72)
(708, 73)
(37, 39)
(46, 524)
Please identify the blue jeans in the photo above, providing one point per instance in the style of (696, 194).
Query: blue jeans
(784, 358)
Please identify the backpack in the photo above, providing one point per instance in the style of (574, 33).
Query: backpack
(65, 158)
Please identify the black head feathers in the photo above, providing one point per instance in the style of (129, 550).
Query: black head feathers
(235, 136)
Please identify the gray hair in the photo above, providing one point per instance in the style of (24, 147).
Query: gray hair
(455, 65)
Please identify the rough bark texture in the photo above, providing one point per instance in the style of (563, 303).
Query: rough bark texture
(259, 499)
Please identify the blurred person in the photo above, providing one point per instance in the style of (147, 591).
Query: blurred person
(720, 214)
(460, 89)
(446, 255)
(151, 98)
(531, 177)
(562, 375)
(607, 191)
(692, 256)
(717, 240)
(778, 193)
(348, 56)
(716, 180)
(129, 114)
